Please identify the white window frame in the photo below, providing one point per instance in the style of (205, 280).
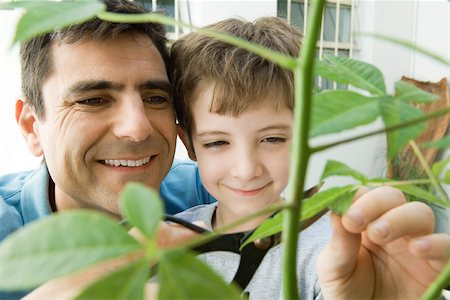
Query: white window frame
(335, 45)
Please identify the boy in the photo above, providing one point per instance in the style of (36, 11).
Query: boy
(235, 110)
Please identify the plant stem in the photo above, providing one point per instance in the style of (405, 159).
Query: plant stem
(399, 183)
(303, 75)
(432, 115)
(202, 239)
(427, 170)
(434, 290)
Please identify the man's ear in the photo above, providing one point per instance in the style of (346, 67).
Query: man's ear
(26, 120)
(189, 149)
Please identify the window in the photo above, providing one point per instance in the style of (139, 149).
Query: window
(337, 27)
(166, 7)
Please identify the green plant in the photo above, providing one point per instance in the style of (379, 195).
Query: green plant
(69, 248)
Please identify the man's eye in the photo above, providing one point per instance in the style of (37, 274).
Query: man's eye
(215, 144)
(274, 140)
(156, 99)
(92, 101)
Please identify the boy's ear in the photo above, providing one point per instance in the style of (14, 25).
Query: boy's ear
(189, 149)
(26, 119)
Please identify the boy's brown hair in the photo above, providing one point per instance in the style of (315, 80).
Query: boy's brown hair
(241, 79)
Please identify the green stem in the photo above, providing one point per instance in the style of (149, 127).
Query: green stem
(303, 75)
(400, 183)
(276, 57)
(427, 169)
(204, 238)
(432, 115)
(434, 291)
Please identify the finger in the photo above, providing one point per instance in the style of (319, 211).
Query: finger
(412, 219)
(172, 235)
(137, 234)
(371, 205)
(360, 192)
(434, 246)
(339, 257)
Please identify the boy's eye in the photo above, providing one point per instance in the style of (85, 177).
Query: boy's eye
(274, 140)
(215, 144)
(92, 101)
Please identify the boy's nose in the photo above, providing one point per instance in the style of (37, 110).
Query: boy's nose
(247, 166)
(133, 122)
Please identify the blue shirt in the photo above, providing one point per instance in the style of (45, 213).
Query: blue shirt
(24, 198)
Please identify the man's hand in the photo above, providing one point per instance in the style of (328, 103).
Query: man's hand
(382, 248)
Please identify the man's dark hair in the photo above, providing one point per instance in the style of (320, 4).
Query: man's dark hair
(36, 55)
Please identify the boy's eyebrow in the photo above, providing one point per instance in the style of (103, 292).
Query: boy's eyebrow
(211, 132)
(280, 126)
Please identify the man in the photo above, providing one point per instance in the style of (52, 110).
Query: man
(98, 108)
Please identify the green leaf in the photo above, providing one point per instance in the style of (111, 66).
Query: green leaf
(422, 194)
(266, 228)
(310, 207)
(343, 202)
(324, 199)
(60, 244)
(446, 178)
(336, 168)
(334, 111)
(440, 144)
(183, 276)
(126, 283)
(142, 207)
(350, 71)
(439, 166)
(395, 111)
(409, 92)
(43, 16)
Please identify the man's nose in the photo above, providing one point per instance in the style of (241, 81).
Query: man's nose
(247, 164)
(132, 121)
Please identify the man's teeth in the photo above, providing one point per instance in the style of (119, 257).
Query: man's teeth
(126, 162)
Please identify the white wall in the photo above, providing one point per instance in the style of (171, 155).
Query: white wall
(14, 155)
(423, 23)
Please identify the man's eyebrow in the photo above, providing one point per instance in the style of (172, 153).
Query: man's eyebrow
(82, 87)
(162, 85)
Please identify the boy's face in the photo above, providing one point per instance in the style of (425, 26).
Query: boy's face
(243, 161)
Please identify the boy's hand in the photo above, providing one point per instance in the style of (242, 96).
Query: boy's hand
(383, 247)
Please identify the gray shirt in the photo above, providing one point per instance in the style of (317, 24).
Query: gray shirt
(266, 282)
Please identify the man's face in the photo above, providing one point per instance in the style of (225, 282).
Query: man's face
(108, 120)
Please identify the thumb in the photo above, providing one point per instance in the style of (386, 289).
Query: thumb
(338, 259)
